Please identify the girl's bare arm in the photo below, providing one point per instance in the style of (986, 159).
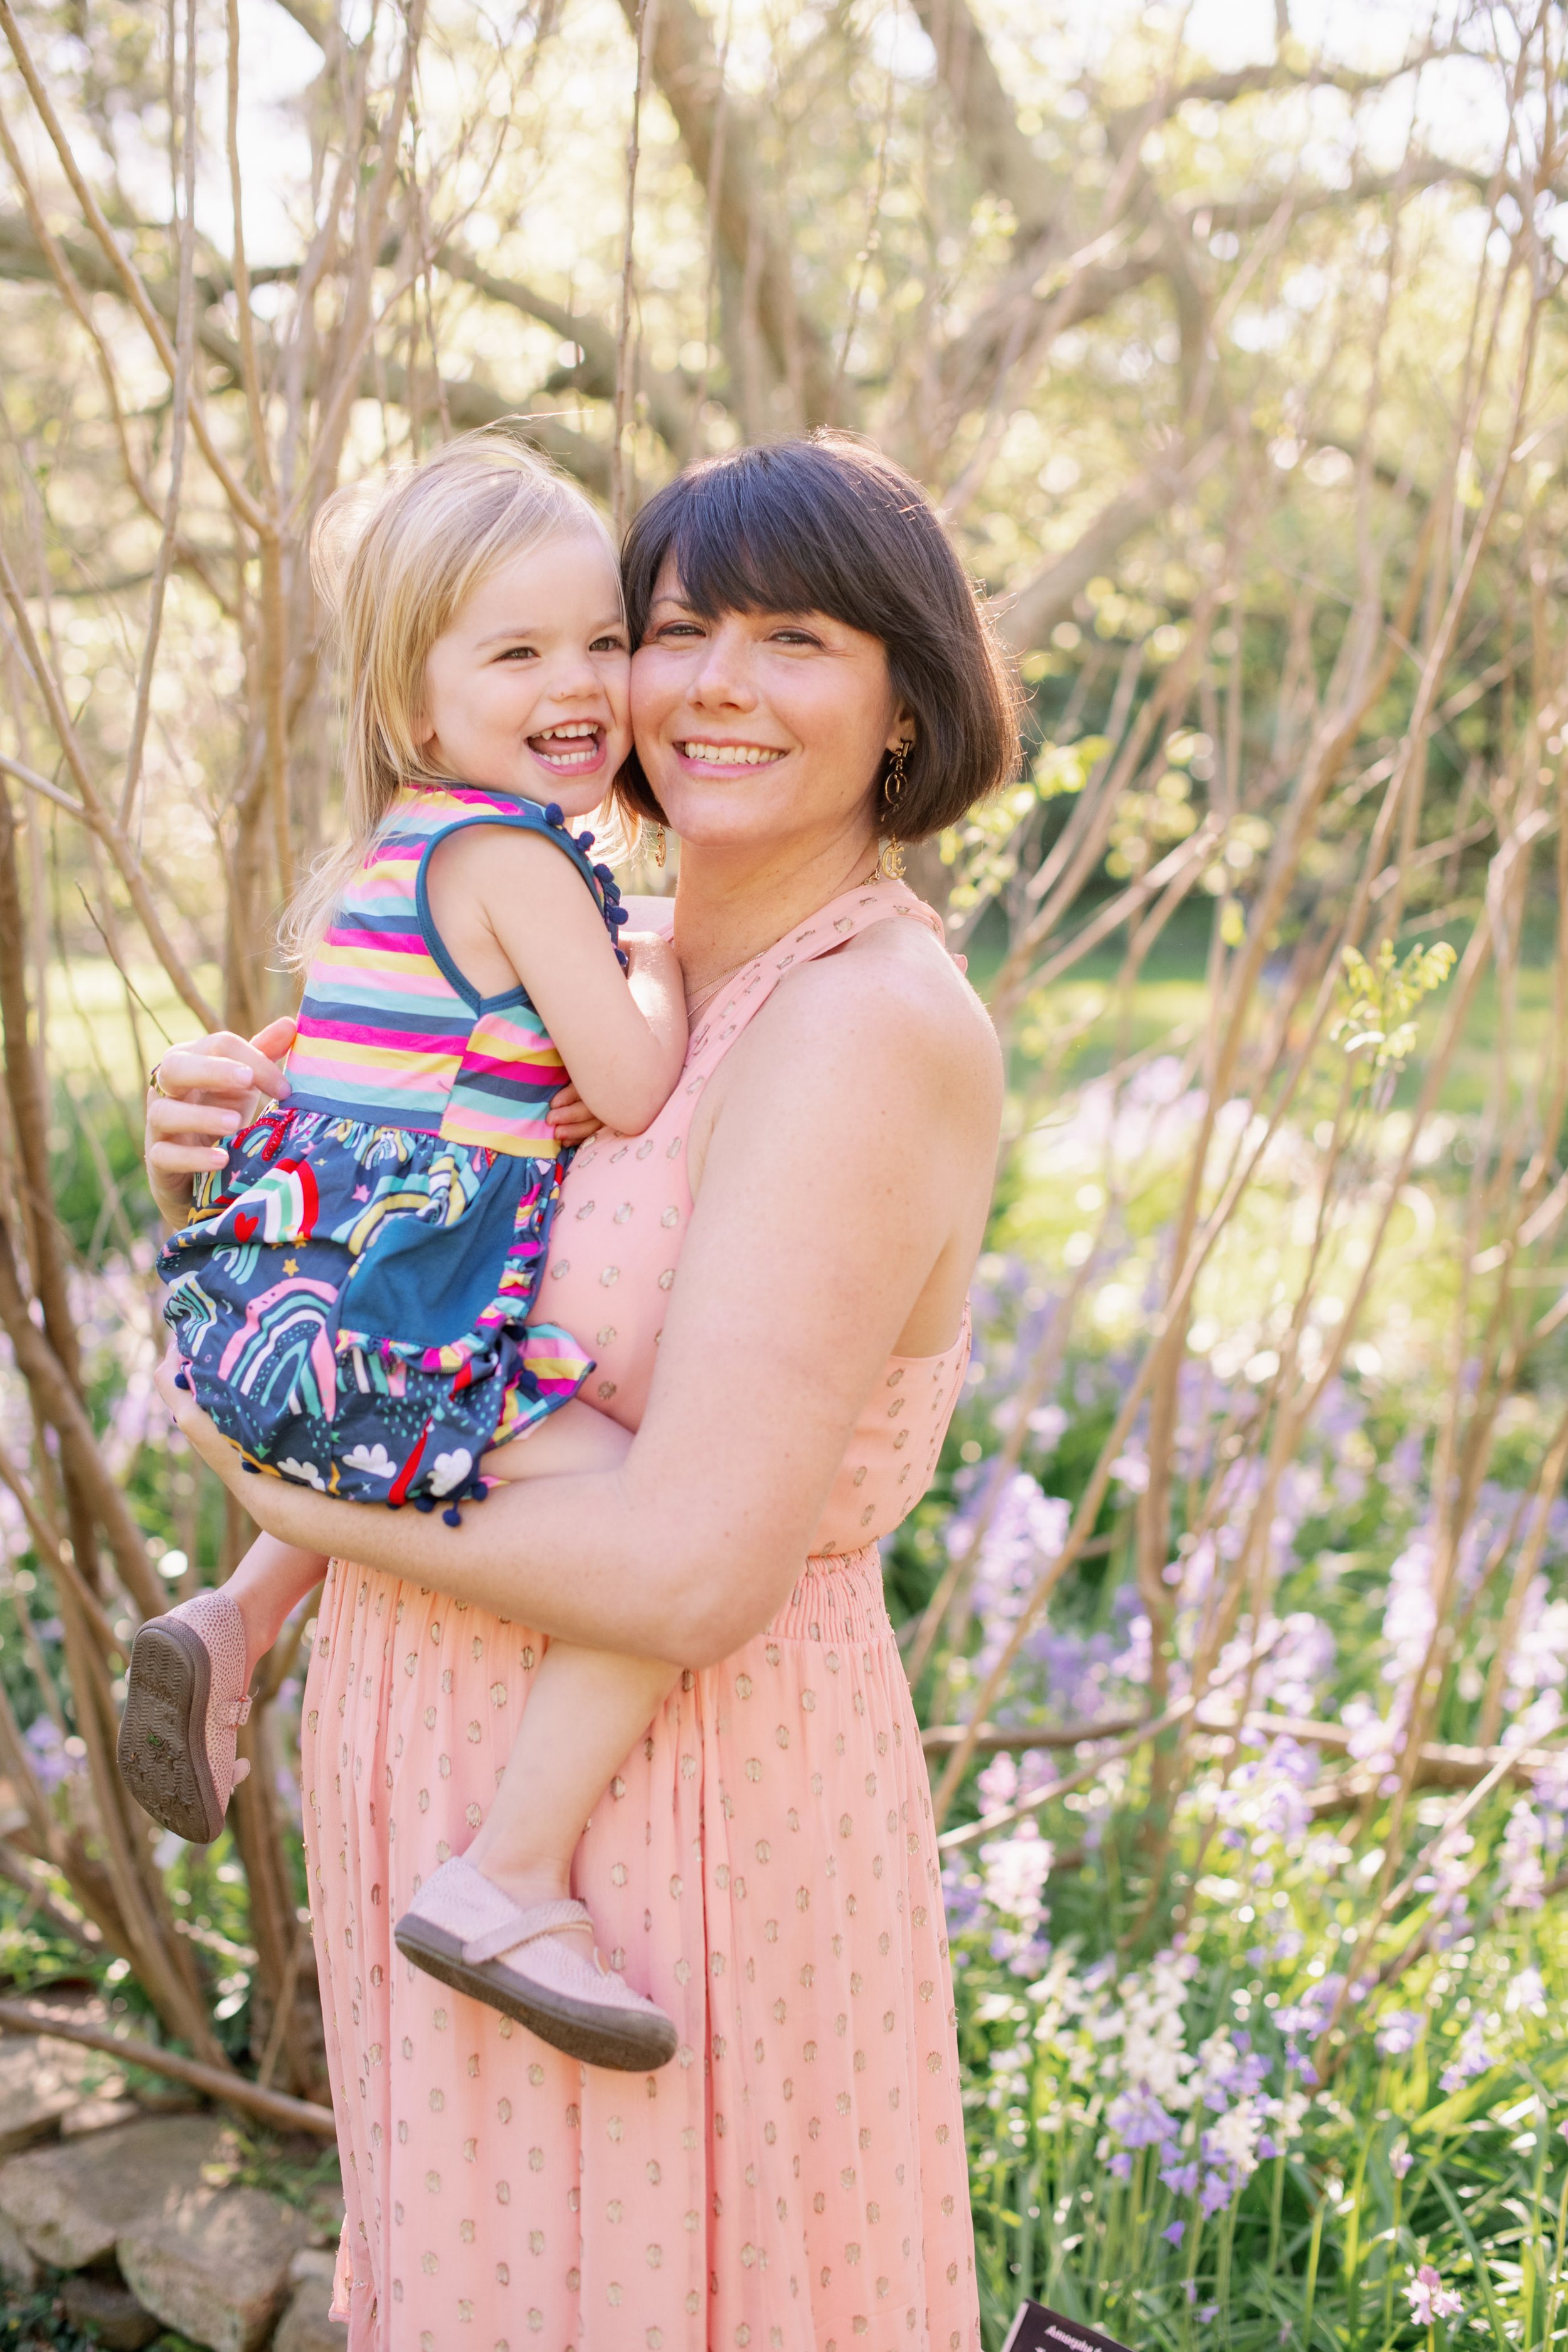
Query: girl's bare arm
(507, 902)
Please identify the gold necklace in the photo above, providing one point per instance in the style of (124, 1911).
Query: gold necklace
(698, 1004)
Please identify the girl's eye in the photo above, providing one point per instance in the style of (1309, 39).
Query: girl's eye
(610, 644)
(519, 654)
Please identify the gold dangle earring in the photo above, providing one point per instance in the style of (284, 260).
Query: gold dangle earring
(891, 858)
(658, 846)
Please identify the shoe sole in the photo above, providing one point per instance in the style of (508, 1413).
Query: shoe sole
(626, 2044)
(162, 1748)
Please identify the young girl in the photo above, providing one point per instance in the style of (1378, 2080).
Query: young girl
(353, 1298)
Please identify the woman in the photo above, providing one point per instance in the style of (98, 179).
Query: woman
(812, 675)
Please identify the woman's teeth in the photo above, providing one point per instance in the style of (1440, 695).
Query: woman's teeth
(731, 755)
(576, 746)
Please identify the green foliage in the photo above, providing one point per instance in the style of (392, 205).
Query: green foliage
(1378, 1000)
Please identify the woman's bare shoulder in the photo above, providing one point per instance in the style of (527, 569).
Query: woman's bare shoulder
(892, 996)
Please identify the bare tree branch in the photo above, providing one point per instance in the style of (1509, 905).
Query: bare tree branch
(123, 268)
(686, 68)
(1001, 154)
(669, 399)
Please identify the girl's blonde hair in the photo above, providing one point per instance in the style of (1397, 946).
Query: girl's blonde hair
(395, 563)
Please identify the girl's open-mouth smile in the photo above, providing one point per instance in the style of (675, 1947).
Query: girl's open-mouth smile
(574, 748)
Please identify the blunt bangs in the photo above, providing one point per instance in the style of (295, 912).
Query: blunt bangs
(829, 525)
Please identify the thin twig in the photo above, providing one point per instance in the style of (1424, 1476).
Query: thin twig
(647, 19)
(275, 2107)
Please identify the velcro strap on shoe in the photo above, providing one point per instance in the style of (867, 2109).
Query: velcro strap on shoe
(237, 1711)
(554, 1918)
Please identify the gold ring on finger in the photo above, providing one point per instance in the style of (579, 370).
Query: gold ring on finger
(155, 1083)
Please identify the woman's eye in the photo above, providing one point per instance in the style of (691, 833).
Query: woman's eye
(795, 637)
(679, 629)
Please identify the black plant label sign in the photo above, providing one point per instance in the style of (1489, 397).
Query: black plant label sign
(1038, 2329)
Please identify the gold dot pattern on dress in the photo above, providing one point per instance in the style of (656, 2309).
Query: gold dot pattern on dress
(763, 1864)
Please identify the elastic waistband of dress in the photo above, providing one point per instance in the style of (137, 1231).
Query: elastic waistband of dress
(836, 1599)
(385, 1118)
(372, 1118)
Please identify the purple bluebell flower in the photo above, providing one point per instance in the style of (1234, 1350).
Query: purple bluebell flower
(1471, 2058)
(1139, 2120)
(47, 1746)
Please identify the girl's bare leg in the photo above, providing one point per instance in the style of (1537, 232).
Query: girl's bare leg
(585, 1710)
(496, 1922)
(266, 1587)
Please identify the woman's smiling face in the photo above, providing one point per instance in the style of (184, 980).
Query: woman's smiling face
(756, 726)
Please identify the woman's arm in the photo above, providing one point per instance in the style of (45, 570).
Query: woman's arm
(854, 1141)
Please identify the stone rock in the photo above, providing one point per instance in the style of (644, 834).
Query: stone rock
(111, 2310)
(18, 2271)
(314, 2263)
(305, 2327)
(98, 2114)
(39, 2081)
(70, 2203)
(215, 2264)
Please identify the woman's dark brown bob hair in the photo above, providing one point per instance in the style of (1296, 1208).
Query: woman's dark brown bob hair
(828, 525)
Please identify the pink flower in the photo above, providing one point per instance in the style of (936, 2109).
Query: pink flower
(1430, 2299)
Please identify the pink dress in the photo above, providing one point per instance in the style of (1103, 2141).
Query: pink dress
(764, 1865)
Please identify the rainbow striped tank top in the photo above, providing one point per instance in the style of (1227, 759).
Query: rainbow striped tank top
(391, 1033)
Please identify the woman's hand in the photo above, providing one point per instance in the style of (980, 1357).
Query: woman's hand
(196, 1427)
(206, 1093)
(570, 1120)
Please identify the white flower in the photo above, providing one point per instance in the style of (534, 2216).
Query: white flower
(1524, 1880)
(1236, 2136)
(1017, 1869)
(304, 1474)
(450, 1471)
(1153, 2051)
(1526, 1991)
(1285, 2114)
(1430, 2299)
(373, 1460)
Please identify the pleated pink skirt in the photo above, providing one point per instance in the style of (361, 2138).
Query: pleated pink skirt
(764, 1866)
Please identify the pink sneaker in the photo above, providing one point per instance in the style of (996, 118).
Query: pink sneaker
(186, 1700)
(461, 1928)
